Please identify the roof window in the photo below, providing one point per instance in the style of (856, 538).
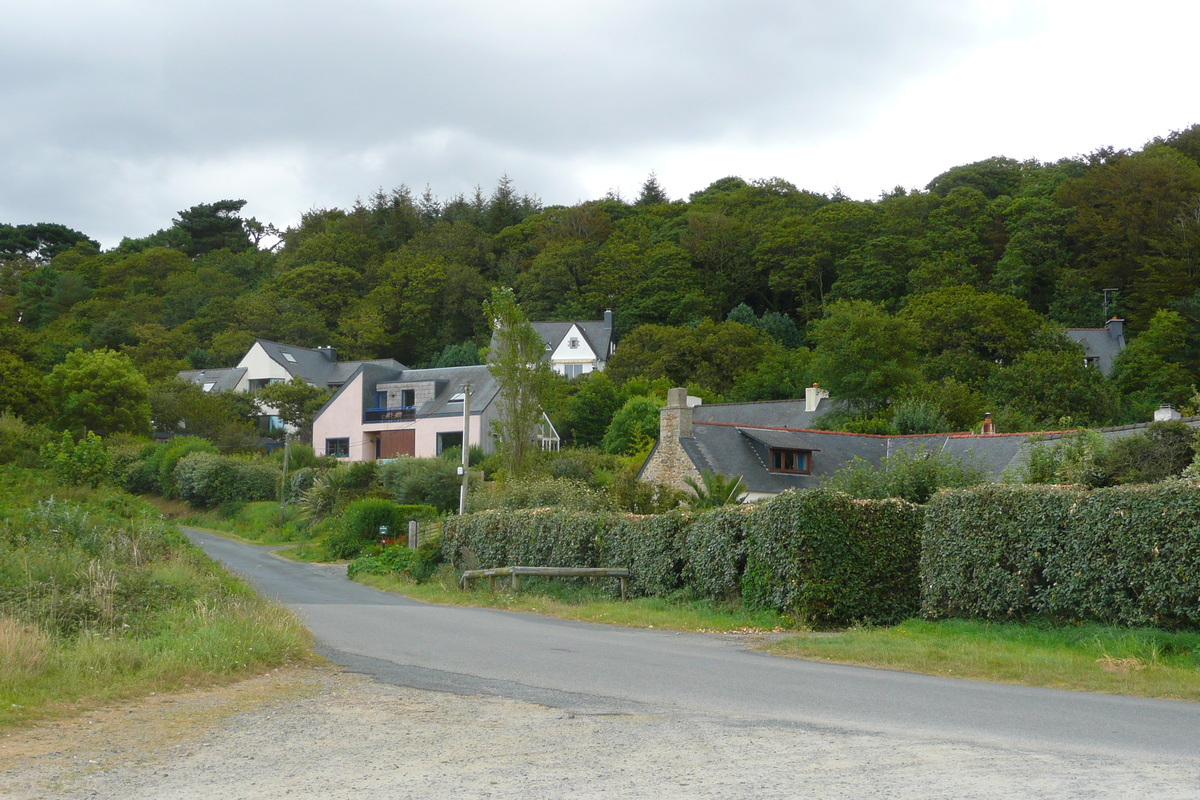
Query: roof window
(208, 387)
(290, 357)
(457, 397)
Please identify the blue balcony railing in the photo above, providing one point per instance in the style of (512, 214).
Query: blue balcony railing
(390, 414)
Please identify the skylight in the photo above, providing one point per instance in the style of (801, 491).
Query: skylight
(458, 397)
(290, 357)
(208, 387)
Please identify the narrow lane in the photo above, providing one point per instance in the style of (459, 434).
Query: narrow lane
(607, 669)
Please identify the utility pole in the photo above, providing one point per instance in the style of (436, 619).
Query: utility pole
(283, 486)
(466, 448)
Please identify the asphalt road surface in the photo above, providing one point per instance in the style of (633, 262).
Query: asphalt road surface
(598, 669)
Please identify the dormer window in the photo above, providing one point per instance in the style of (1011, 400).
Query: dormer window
(792, 461)
(573, 343)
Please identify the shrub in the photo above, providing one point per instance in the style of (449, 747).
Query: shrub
(207, 479)
(74, 463)
(714, 552)
(171, 454)
(538, 493)
(1122, 555)
(20, 442)
(983, 550)
(909, 475)
(360, 525)
(637, 421)
(426, 481)
(833, 560)
(395, 559)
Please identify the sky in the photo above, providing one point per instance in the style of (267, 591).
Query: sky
(120, 113)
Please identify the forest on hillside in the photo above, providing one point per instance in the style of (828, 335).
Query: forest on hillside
(920, 310)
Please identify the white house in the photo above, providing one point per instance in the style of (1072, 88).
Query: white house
(577, 348)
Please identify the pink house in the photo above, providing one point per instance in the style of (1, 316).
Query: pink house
(385, 412)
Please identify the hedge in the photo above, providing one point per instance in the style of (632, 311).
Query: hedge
(208, 479)
(983, 551)
(832, 559)
(1123, 555)
(815, 553)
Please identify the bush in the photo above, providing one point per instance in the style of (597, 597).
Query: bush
(206, 479)
(75, 463)
(1120, 555)
(170, 455)
(396, 559)
(538, 493)
(714, 553)
(20, 442)
(425, 481)
(983, 550)
(632, 426)
(909, 475)
(360, 525)
(833, 560)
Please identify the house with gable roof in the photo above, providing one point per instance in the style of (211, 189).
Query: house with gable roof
(268, 362)
(579, 347)
(1101, 346)
(774, 447)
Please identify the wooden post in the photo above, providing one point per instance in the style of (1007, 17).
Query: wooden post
(516, 583)
(412, 534)
(283, 485)
(622, 588)
(466, 448)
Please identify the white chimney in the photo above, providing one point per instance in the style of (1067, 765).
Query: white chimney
(813, 396)
(1167, 413)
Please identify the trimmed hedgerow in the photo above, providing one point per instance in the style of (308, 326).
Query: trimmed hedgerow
(714, 552)
(831, 559)
(1123, 555)
(984, 549)
(1130, 556)
(650, 547)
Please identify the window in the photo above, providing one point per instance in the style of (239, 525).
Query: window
(457, 397)
(381, 400)
(208, 387)
(572, 370)
(448, 439)
(290, 357)
(408, 398)
(789, 460)
(1092, 362)
(573, 343)
(338, 448)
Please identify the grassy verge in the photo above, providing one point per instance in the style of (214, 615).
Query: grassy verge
(258, 522)
(587, 604)
(101, 599)
(1144, 662)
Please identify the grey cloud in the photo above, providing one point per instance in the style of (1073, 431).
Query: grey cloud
(522, 87)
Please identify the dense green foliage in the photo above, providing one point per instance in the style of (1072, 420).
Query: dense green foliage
(912, 475)
(816, 554)
(743, 291)
(1122, 555)
(209, 479)
(361, 523)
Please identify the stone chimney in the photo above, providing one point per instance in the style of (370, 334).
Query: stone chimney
(988, 428)
(1115, 328)
(813, 396)
(330, 353)
(675, 418)
(1167, 413)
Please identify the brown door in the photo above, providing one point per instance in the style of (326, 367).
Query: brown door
(397, 443)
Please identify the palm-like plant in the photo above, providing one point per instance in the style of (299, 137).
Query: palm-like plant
(716, 490)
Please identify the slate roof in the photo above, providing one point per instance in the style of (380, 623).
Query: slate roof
(765, 414)
(1101, 343)
(226, 379)
(484, 387)
(314, 366)
(732, 449)
(597, 335)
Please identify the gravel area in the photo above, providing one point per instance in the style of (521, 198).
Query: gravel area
(321, 733)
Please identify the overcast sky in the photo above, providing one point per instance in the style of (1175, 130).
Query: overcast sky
(119, 113)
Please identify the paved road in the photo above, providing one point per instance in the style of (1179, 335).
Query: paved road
(604, 669)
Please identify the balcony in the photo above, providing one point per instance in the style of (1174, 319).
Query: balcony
(397, 414)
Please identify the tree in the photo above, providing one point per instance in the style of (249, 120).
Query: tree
(517, 362)
(1048, 384)
(76, 463)
(100, 391)
(863, 355)
(1150, 370)
(297, 401)
(40, 241)
(633, 427)
(652, 193)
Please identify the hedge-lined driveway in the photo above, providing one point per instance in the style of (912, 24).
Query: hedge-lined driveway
(603, 669)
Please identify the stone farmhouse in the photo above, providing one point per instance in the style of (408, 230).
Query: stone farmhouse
(773, 446)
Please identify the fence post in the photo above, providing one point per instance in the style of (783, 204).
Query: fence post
(413, 534)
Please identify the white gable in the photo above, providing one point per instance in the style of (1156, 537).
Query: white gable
(580, 353)
(260, 366)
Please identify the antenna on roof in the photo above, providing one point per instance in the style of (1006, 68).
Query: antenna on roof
(1108, 292)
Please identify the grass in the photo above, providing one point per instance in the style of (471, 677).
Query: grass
(1144, 662)
(257, 522)
(568, 600)
(101, 600)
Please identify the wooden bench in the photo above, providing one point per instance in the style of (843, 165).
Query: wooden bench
(547, 572)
